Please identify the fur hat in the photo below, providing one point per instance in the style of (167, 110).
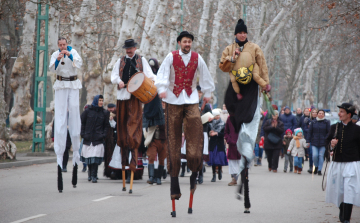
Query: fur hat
(298, 130)
(240, 27)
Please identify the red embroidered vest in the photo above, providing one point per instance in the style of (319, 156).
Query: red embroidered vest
(184, 75)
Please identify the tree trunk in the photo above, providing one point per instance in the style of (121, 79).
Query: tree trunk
(148, 21)
(202, 27)
(175, 24)
(21, 115)
(3, 113)
(214, 52)
(90, 52)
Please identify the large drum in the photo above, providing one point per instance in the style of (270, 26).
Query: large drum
(142, 87)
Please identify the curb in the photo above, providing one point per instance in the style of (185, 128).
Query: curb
(27, 163)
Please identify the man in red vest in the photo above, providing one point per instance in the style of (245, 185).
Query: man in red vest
(176, 83)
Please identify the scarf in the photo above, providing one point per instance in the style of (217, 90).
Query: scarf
(96, 100)
(241, 43)
(318, 119)
(297, 140)
(217, 125)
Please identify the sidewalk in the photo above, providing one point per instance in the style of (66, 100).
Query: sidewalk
(22, 159)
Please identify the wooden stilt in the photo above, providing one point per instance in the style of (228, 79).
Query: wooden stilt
(131, 181)
(123, 178)
(190, 203)
(173, 213)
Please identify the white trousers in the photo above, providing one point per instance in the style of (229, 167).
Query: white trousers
(67, 114)
(343, 183)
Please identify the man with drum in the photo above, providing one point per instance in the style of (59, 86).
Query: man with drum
(176, 83)
(128, 108)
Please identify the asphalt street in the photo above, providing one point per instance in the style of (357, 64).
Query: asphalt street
(29, 194)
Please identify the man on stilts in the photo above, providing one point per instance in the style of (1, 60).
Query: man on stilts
(343, 178)
(176, 83)
(64, 63)
(247, 68)
(128, 108)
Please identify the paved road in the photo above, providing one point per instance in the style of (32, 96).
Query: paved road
(275, 197)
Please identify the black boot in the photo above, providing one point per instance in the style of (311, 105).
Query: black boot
(214, 174)
(183, 165)
(310, 169)
(96, 175)
(201, 176)
(94, 170)
(347, 212)
(89, 172)
(84, 168)
(219, 172)
(151, 174)
(159, 174)
(341, 214)
(316, 170)
(128, 176)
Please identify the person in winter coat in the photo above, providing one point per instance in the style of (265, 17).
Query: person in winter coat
(233, 154)
(288, 157)
(217, 145)
(288, 119)
(273, 129)
(318, 130)
(298, 116)
(297, 149)
(303, 124)
(94, 127)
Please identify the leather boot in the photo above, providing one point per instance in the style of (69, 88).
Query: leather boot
(220, 172)
(233, 182)
(89, 172)
(347, 212)
(316, 170)
(201, 176)
(151, 174)
(299, 170)
(183, 165)
(159, 174)
(341, 213)
(214, 178)
(128, 176)
(310, 169)
(94, 172)
(295, 169)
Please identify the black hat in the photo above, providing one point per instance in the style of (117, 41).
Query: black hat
(240, 27)
(349, 108)
(111, 105)
(185, 34)
(129, 43)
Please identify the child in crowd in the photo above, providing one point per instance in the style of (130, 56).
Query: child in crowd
(288, 157)
(297, 149)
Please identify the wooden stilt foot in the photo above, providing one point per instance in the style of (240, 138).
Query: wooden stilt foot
(131, 182)
(190, 203)
(123, 178)
(173, 213)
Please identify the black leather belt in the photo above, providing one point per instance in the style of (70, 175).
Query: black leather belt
(71, 78)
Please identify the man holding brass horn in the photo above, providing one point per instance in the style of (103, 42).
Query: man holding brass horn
(246, 65)
(128, 108)
(64, 63)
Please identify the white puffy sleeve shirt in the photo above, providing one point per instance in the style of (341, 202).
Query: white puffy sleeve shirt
(123, 94)
(162, 82)
(66, 70)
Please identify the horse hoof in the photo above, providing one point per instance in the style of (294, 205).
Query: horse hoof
(189, 210)
(173, 214)
(124, 189)
(130, 191)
